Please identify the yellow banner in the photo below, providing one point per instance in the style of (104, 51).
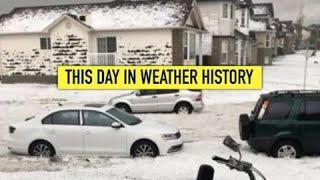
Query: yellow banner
(160, 77)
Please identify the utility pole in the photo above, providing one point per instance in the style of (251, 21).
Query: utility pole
(306, 67)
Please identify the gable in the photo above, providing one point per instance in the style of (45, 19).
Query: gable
(195, 19)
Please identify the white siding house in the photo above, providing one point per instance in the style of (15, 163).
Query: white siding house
(35, 40)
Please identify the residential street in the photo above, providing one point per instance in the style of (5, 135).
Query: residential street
(203, 133)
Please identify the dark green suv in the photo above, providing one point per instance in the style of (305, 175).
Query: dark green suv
(285, 124)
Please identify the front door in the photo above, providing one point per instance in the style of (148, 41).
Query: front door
(145, 101)
(308, 121)
(65, 131)
(99, 137)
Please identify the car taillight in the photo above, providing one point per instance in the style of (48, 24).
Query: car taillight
(12, 129)
(199, 97)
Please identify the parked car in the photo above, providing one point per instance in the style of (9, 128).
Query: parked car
(285, 124)
(91, 130)
(146, 101)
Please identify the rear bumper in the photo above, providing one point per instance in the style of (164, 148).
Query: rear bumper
(16, 147)
(198, 106)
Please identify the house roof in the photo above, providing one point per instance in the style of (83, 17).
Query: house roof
(114, 15)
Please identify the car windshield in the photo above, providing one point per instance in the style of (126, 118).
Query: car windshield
(124, 117)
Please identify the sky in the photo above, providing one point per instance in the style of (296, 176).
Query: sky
(284, 9)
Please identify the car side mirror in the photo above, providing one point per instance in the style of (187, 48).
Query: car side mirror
(231, 144)
(116, 125)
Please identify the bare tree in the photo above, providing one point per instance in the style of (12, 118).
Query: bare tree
(300, 24)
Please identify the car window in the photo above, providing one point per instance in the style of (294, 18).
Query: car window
(167, 91)
(148, 92)
(124, 117)
(66, 118)
(277, 110)
(94, 118)
(47, 120)
(309, 110)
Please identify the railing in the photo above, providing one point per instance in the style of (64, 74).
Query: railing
(104, 59)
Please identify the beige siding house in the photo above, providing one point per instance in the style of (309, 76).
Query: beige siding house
(35, 40)
(219, 20)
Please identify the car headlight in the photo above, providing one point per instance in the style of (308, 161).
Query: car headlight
(169, 137)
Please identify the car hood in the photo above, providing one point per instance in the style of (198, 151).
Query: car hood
(157, 127)
(121, 96)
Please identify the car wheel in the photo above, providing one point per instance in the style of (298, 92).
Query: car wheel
(124, 108)
(144, 149)
(287, 149)
(41, 149)
(183, 108)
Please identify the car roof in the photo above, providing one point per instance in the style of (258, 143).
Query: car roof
(98, 107)
(292, 93)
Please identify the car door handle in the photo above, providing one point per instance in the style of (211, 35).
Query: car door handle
(154, 96)
(177, 95)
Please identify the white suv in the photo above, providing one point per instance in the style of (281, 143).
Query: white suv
(145, 101)
(90, 130)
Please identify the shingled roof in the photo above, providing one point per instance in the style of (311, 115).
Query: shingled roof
(102, 16)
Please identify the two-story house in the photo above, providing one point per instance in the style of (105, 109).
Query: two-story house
(219, 20)
(244, 44)
(261, 25)
(34, 41)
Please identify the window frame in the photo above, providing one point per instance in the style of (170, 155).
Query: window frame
(45, 43)
(188, 48)
(231, 11)
(270, 101)
(243, 18)
(225, 13)
(52, 121)
(302, 102)
(268, 40)
(83, 118)
(105, 48)
(224, 51)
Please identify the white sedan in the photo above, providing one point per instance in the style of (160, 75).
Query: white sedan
(92, 130)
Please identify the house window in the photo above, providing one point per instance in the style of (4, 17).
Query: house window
(45, 43)
(225, 11)
(243, 46)
(185, 45)
(243, 17)
(231, 11)
(224, 52)
(189, 45)
(267, 40)
(107, 45)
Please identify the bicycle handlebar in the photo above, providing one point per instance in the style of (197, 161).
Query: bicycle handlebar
(241, 166)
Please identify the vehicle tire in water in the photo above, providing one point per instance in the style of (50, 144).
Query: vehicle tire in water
(124, 107)
(183, 108)
(41, 149)
(287, 149)
(145, 149)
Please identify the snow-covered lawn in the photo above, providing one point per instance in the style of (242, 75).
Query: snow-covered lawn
(203, 133)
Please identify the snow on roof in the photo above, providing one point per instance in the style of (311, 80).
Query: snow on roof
(103, 16)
